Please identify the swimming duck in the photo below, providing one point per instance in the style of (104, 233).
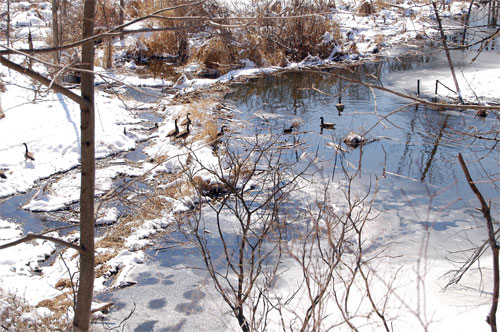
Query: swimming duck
(185, 133)
(482, 113)
(288, 130)
(174, 131)
(27, 154)
(340, 106)
(326, 125)
(353, 139)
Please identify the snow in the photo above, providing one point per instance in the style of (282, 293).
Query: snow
(18, 262)
(51, 129)
(49, 124)
(27, 19)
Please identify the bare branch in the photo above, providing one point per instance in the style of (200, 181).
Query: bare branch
(45, 81)
(491, 319)
(116, 31)
(31, 237)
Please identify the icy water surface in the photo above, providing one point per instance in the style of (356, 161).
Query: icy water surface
(413, 152)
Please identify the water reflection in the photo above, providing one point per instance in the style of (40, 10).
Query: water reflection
(417, 143)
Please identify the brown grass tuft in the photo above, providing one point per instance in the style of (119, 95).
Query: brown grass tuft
(216, 54)
(63, 283)
(58, 305)
(365, 9)
(381, 4)
(210, 129)
(166, 42)
(294, 38)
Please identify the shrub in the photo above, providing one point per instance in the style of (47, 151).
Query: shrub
(297, 37)
(216, 53)
(17, 315)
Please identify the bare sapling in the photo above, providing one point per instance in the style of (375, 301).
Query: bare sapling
(253, 186)
(485, 209)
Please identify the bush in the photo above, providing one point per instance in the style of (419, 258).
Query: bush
(17, 315)
(297, 37)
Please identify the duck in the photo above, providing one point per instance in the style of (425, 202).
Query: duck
(353, 140)
(186, 120)
(221, 132)
(288, 130)
(482, 113)
(185, 133)
(174, 131)
(326, 125)
(2, 174)
(340, 106)
(27, 154)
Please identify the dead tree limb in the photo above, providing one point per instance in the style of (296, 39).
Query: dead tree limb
(491, 318)
(45, 81)
(31, 237)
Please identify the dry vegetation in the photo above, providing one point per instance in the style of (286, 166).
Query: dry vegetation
(265, 41)
(17, 315)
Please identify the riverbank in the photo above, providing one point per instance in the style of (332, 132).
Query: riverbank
(55, 148)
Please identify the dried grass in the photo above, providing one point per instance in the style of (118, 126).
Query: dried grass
(58, 305)
(365, 9)
(261, 52)
(18, 315)
(210, 129)
(63, 283)
(294, 38)
(116, 235)
(381, 4)
(218, 54)
(165, 42)
(100, 262)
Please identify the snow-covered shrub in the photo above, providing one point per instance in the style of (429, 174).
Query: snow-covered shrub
(17, 315)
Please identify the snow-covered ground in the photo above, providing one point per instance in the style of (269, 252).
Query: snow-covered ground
(49, 124)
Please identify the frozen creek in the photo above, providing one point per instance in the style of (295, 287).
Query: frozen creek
(426, 214)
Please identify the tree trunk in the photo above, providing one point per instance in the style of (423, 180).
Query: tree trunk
(108, 53)
(8, 24)
(55, 28)
(86, 281)
(122, 8)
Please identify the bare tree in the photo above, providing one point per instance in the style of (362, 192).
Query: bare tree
(254, 186)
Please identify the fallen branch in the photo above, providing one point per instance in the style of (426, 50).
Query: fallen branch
(419, 100)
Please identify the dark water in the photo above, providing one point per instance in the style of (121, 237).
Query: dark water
(414, 150)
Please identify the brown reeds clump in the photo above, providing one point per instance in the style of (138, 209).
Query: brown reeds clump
(217, 53)
(365, 9)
